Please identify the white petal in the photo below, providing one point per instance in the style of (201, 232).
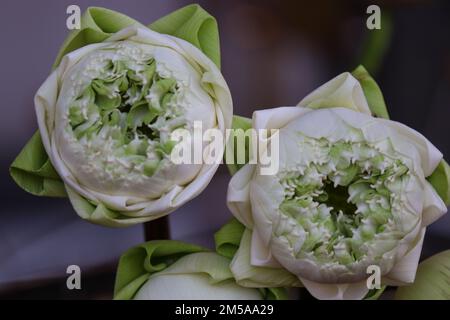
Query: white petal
(404, 271)
(204, 276)
(45, 102)
(266, 196)
(328, 123)
(238, 195)
(430, 156)
(433, 207)
(193, 287)
(347, 291)
(260, 253)
(342, 91)
(276, 118)
(249, 275)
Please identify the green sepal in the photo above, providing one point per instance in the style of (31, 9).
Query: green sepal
(372, 93)
(228, 238)
(138, 263)
(195, 25)
(440, 180)
(33, 172)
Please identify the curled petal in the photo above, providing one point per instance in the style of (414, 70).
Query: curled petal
(276, 118)
(433, 207)
(238, 195)
(249, 275)
(343, 91)
(404, 271)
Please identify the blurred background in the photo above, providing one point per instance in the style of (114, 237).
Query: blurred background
(273, 54)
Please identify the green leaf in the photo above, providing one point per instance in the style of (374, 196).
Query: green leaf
(372, 92)
(33, 172)
(138, 263)
(238, 126)
(195, 25)
(190, 23)
(432, 280)
(440, 180)
(227, 239)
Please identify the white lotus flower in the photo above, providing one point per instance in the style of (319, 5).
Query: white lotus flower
(197, 276)
(350, 192)
(106, 115)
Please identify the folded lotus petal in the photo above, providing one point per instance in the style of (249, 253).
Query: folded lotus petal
(342, 91)
(404, 271)
(260, 254)
(265, 202)
(238, 195)
(276, 118)
(250, 275)
(430, 156)
(434, 207)
(325, 291)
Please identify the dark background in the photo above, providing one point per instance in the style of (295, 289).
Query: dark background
(273, 54)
